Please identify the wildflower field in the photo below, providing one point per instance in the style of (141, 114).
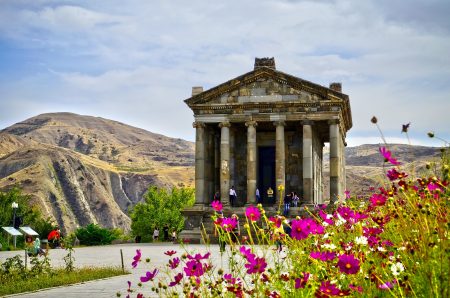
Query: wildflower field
(393, 243)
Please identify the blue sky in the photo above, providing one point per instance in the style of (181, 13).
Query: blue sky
(136, 61)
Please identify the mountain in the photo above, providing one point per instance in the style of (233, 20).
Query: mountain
(83, 169)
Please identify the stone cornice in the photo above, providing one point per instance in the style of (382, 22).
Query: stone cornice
(279, 107)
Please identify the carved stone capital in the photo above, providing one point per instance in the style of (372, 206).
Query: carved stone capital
(279, 123)
(251, 123)
(198, 124)
(224, 124)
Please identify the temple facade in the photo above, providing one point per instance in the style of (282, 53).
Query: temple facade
(266, 129)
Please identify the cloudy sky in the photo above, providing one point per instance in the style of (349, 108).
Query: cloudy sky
(136, 61)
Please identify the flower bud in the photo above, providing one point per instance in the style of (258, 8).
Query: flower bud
(431, 134)
(374, 120)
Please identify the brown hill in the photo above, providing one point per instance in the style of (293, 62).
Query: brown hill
(83, 169)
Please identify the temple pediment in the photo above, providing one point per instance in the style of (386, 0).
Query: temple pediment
(265, 85)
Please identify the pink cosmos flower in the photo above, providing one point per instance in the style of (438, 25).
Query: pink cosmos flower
(348, 264)
(329, 289)
(228, 224)
(387, 285)
(140, 295)
(324, 256)
(229, 278)
(246, 252)
(276, 221)
(170, 253)
(199, 257)
(303, 227)
(136, 258)
(356, 288)
(193, 268)
(377, 200)
(347, 194)
(393, 174)
(256, 265)
(300, 283)
(252, 213)
(174, 263)
(149, 276)
(217, 205)
(345, 212)
(387, 156)
(177, 280)
(326, 217)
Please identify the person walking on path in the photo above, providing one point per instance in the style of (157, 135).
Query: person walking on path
(166, 232)
(287, 203)
(156, 234)
(233, 196)
(216, 196)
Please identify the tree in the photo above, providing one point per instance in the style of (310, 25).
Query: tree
(160, 207)
(29, 215)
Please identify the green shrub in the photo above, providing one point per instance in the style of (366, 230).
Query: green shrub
(93, 234)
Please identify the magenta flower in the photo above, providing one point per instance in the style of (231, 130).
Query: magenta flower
(346, 212)
(174, 263)
(326, 217)
(276, 221)
(256, 265)
(193, 268)
(140, 295)
(324, 256)
(252, 213)
(245, 252)
(387, 156)
(347, 194)
(217, 205)
(348, 264)
(303, 227)
(170, 253)
(393, 174)
(149, 276)
(328, 289)
(300, 283)
(387, 285)
(228, 224)
(377, 200)
(199, 257)
(136, 258)
(177, 280)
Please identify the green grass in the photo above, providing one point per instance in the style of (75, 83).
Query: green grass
(58, 277)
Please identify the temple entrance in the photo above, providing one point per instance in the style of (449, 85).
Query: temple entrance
(266, 173)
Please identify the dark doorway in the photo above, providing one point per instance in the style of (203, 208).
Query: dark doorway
(266, 173)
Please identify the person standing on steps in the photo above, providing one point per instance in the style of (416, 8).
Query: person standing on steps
(258, 197)
(233, 196)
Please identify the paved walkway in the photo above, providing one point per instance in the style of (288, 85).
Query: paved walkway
(109, 255)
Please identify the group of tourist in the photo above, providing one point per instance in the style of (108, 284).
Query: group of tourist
(34, 248)
(173, 236)
(290, 200)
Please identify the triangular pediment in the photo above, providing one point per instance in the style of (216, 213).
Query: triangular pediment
(264, 85)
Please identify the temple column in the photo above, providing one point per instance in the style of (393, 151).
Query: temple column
(225, 163)
(280, 160)
(334, 160)
(200, 189)
(251, 161)
(216, 163)
(308, 178)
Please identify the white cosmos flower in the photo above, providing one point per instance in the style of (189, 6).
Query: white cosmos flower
(397, 268)
(361, 240)
(329, 246)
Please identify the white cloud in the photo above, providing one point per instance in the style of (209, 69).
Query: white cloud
(138, 60)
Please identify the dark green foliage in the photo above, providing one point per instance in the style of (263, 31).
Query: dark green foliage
(93, 234)
(159, 208)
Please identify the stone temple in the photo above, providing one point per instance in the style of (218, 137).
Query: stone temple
(264, 129)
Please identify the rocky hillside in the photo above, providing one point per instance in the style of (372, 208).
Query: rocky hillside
(82, 169)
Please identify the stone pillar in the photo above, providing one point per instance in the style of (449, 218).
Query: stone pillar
(251, 162)
(308, 178)
(200, 188)
(280, 161)
(225, 163)
(216, 163)
(334, 160)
